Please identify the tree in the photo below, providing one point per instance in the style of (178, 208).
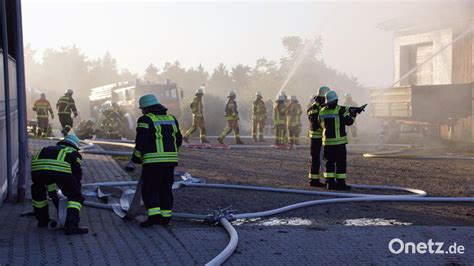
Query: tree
(220, 81)
(151, 74)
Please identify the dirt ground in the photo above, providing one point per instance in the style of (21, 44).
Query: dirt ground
(288, 169)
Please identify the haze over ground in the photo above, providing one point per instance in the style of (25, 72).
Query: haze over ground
(140, 33)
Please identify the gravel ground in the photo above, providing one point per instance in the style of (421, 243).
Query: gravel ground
(288, 169)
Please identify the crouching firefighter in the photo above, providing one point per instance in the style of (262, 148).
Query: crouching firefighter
(58, 166)
(315, 134)
(333, 120)
(156, 148)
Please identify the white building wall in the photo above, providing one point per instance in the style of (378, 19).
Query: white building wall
(442, 63)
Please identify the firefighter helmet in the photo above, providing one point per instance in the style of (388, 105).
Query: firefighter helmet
(148, 100)
(258, 94)
(231, 94)
(281, 98)
(199, 91)
(73, 140)
(323, 90)
(293, 98)
(69, 91)
(331, 96)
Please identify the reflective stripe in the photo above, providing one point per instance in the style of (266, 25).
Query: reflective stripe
(58, 165)
(39, 204)
(313, 176)
(332, 113)
(137, 153)
(315, 134)
(166, 213)
(52, 187)
(143, 125)
(329, 175)
(162, 156)
(341, 176)
(79, 161)
(154, 211)
(74, 205)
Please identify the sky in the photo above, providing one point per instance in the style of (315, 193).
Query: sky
(207, 33)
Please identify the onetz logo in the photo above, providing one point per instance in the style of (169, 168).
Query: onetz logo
(397, 246)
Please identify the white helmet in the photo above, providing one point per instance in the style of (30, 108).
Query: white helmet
(200, 91)
(347, 95)
(281, 98)
(69, 91)
(258, 94)
(231, 94)
(293, 98)
(283, 94)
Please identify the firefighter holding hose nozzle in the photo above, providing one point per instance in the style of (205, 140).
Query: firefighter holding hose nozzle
(156, 148)
(333, 120)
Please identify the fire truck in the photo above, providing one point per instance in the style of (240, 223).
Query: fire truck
(126, 95)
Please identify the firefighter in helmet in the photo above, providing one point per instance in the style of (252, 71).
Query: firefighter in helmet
(58, 166)
(333, 120)
(293, 121)
(156, 148)
(259, 116)
(279, 120)
(42, 107)
(197, 108)
(232, 116)
(315, 135)
(65, 107)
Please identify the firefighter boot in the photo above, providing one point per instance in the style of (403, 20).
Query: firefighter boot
(341, 184)
(330, 183)
(42, 215)
(204, 140)
(316, 183)
(165, 221)
(72, 223)
(155, 219)
(220, 140)
(239, 141)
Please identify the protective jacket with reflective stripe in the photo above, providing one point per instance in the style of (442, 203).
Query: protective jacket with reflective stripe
(294, 112)
(279, 113)
(158, 139)
(197, 108)
(65, 105)
(315, 131)
(231, 112)
(333, 122)
(42, 107)
(61, 159)
(259, 110)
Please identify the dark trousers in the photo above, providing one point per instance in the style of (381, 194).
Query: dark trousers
(315, 149)
(335, 156)
(66, 122)
(42, 126)
(157, 187)
(44, 182)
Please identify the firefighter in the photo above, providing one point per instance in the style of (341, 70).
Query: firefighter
(65, 106)
(156, 148)
(42, 107)
(197, 108)
(315, 135)
(58, 166)
(232, 116)
(259, 116)
(349, 102)
(293, 121)
(287, 102)
(333, 120)
(279, 120)
(112, 121)
(86, 129)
